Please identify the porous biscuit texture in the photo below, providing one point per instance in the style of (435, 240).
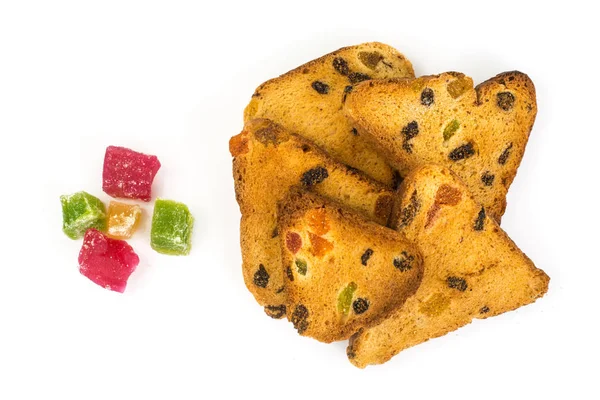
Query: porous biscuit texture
(268, 161)
(472, 269)
(479, 133)
(308, 101)
(343, 272)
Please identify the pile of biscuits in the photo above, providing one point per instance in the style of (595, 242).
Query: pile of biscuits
(371, 200)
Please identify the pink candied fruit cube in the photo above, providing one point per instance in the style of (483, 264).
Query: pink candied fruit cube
(128, 174)
(107, 262)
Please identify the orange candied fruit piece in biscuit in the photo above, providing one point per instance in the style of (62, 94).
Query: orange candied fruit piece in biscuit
(238, 144)
(317, 221)
(319, 246)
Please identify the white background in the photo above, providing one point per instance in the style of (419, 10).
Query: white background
(172, 79)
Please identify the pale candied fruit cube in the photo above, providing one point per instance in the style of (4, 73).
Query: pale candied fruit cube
(123, 219)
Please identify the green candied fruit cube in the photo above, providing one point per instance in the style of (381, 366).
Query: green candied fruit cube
(82, 211)
(301, 266)
(171, 231)
(345, 298)
(451, 129)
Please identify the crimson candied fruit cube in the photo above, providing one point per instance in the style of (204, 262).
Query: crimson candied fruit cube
(128, 174)
(107, 262)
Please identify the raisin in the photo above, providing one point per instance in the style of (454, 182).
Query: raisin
(478, 226)
(275, 233)
(451, 129)
(275, 312)
(301, 266)
(409, 131)
(320, 246)
(261, 277)
(350, 353)
(456, 283)
(271, 133)
(504, 156)
(408, 213)
(293, 242)
(320, 87)
(487, 178)
(347, 90)
(290, 275)
(267, 135)
(354, 132)
(462, 152)
(356, 77)
(505, 100)
(314, 176)
(404, 263)
(370, 59)
(345, 298)
(427, 97)
(299, 318)
(365, 257)
(341, 66)
(484, 310)
(458, 87)
(360, 305)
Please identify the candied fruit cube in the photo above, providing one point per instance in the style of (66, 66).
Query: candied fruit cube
(82, 211)
(107, 262)
(317, 221)
(171, 231)
(123, 219)
(293, 242)
(320, 246)
(345, 298)
(128, 174)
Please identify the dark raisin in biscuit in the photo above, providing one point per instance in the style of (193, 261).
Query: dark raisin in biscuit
(442, 119)
(268, 161)
(308, 101)
(329, 279)
(497, 278)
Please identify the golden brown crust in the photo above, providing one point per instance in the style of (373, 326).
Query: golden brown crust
(343, 272)
(480, 133)
(268, 160)
(472, 268)
(308, 101)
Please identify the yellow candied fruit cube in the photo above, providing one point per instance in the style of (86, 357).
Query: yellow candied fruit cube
(123, 219)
